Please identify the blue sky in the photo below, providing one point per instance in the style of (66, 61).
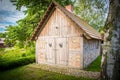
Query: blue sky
(8, 14)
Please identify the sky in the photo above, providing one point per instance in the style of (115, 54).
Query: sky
(8, 14)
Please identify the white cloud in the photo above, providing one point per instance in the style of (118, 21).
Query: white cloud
(7, 5)
(2, 26)
(12, 14)
(14, 18)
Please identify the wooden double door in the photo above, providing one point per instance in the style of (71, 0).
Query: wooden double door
(57, 51)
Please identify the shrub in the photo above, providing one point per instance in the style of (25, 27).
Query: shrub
(1, 50)
(16, 62)
(14, 57)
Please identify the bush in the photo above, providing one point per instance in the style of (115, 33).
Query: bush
(1, 50)
(15, 57)
(16, 63)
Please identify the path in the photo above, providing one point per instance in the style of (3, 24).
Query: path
(68, 71)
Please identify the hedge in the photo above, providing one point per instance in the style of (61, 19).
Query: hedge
(6, 65)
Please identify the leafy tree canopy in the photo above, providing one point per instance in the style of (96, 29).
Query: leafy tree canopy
(2, 35)
(93, 11)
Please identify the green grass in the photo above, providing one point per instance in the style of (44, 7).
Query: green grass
(31, 73)
(95, 65)
(1, 50)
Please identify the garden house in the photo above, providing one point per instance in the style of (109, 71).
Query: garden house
(64, 39)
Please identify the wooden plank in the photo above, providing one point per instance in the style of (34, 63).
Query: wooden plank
(60, 25)
(50, 55)
(41, 50)
(61, 51)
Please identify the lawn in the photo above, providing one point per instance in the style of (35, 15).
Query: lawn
(95, 65)
(31, 73)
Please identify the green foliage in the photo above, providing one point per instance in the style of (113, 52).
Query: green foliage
(2, 35)
(32, 73)
(95, 65)
(1, 50)
(16, 62)
(92, 11)
(11, 36)
(14, 57)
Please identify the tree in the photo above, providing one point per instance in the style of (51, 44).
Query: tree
(92, 11)
(2, 35)
(11, 37)
(112, 41)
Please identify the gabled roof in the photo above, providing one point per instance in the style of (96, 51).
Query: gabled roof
(81, 23)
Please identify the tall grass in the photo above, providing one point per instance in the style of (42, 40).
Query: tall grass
(14, 57)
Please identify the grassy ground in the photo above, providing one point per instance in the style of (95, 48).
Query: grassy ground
(95, 65)
(31, 73)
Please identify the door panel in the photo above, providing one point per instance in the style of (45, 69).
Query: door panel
(57, 51)
(41, 50)
(50, 56)
(61, 51)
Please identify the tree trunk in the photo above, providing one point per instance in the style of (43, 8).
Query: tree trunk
(112, 41)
